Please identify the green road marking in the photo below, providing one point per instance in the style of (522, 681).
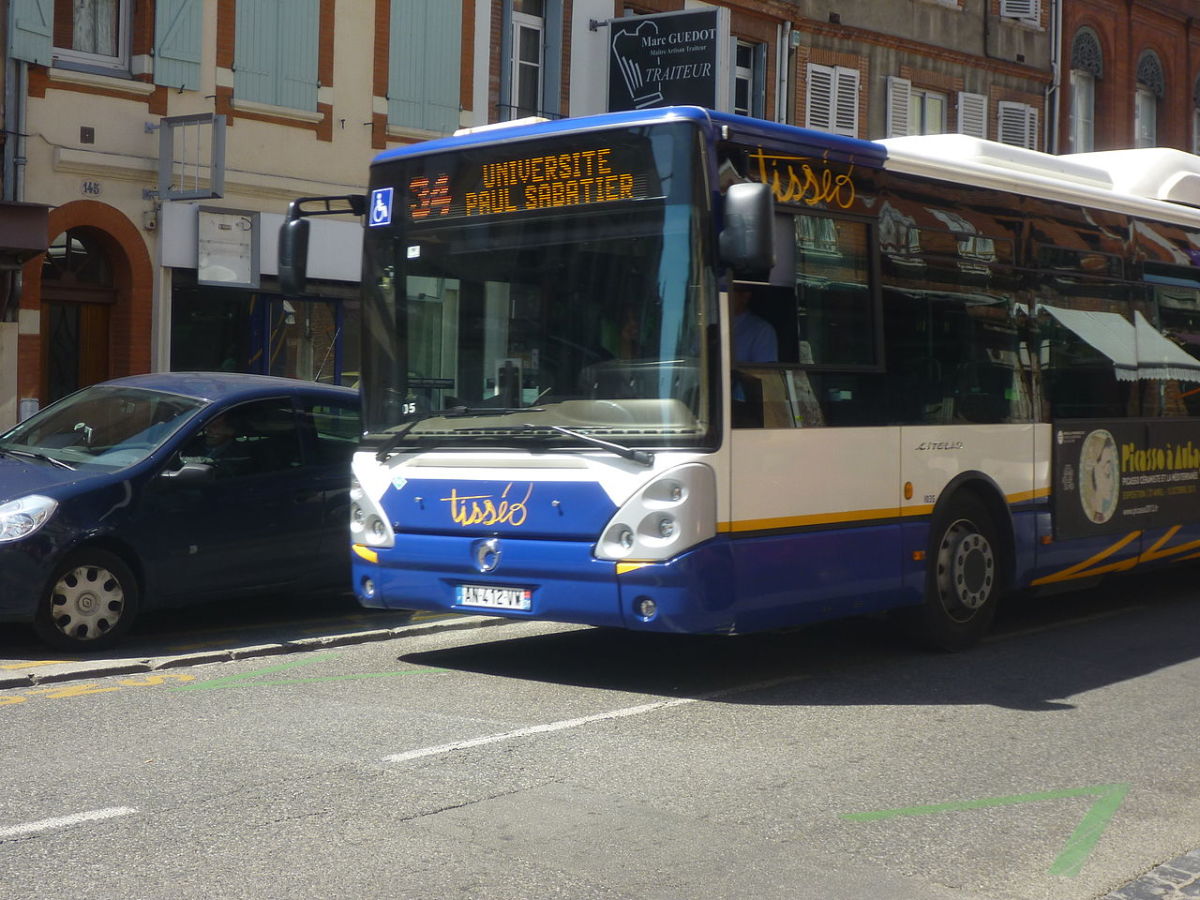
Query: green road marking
(255, 678)
(1079, 845)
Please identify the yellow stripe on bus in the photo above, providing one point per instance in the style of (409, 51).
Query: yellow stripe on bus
(860, 515)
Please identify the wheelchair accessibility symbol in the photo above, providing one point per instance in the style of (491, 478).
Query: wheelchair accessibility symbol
(381, 207)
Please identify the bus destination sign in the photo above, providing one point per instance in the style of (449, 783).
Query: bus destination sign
(467, 186)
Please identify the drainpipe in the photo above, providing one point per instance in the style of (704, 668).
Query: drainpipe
(1054, 91)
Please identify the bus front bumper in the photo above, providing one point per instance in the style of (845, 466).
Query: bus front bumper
(558, 581)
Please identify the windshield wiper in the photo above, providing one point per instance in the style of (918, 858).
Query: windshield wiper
(33, 454)
(453, 412)
(643, 457)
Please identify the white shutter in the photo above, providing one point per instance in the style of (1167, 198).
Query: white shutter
(972, 114)
(845, 93)
(1017, 124)
(1029, 10)
(818, 98)
(899, 94)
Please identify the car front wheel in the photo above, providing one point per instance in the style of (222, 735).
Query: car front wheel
(90, 603)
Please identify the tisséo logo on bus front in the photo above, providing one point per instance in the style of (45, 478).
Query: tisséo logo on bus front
(381, 207)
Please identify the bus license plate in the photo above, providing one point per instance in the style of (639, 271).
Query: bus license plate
(494, 597)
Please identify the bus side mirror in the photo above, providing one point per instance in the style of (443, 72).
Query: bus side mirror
(747, 241)
(293, 257)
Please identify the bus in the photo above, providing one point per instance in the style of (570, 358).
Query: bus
(975, 372)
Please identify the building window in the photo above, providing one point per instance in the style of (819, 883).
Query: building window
(1087, 66)
(914, 110)
(92, 33)
(1017, 124)
(1150, 89)
(748, 92)
(1083, 103)
(832, 99)
(926, 112)
(1196, 117)
(528, 49)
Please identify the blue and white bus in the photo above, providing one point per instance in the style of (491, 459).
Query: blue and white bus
(975, 372)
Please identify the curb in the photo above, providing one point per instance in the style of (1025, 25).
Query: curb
(83, 669)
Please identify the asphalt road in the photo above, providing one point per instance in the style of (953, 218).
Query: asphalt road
(1055, 761)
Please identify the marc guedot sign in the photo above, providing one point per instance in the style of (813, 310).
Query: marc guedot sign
(668, 59)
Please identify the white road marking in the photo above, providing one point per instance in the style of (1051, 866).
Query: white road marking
(583, 720)
(95, 815)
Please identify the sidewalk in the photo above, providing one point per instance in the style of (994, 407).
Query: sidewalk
(212, 647)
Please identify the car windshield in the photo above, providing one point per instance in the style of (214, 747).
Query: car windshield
(102, 425)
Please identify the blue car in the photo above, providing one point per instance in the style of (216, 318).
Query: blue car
(161, 490)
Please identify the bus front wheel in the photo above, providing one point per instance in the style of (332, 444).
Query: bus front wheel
(964, 577)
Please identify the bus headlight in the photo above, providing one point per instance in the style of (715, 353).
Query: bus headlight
(675, 511)
(368, 524)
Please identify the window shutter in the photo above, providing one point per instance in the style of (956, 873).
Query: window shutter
(1020, 9)
(29, 26)
(972, 114)
(1017, 124)
(425, 47)
(296, 78)
(255, 50)
(275, 57)
(899, 94)
(177, 36)
(846, 96)
(819, 98)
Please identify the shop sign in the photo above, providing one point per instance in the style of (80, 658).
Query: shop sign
(670, 59)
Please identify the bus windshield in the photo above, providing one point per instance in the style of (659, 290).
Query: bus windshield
(523, 288)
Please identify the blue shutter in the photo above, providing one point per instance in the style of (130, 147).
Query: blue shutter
(255, 50)
(424, 52)
(275, 57)
(177, 38)
(29, 26)
(296, 84)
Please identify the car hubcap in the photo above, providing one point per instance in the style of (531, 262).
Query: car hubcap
(88, 601)
(966, 569)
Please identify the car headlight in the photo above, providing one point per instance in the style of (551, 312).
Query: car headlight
(675, 511)
(22, 517)
(368, 525)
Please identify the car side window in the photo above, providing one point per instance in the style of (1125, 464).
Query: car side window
(337, 429)
(251, 439)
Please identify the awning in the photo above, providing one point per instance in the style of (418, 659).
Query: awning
(1135, 350)
(23, 232)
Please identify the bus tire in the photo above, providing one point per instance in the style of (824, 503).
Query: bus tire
(964, 577)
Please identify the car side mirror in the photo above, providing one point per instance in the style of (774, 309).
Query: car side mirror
(190, 474)
(747, 239)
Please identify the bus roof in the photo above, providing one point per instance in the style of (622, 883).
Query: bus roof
(743, 127)
(1156, 183)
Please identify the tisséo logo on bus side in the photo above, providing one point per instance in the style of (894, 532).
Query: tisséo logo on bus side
(381, 207)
